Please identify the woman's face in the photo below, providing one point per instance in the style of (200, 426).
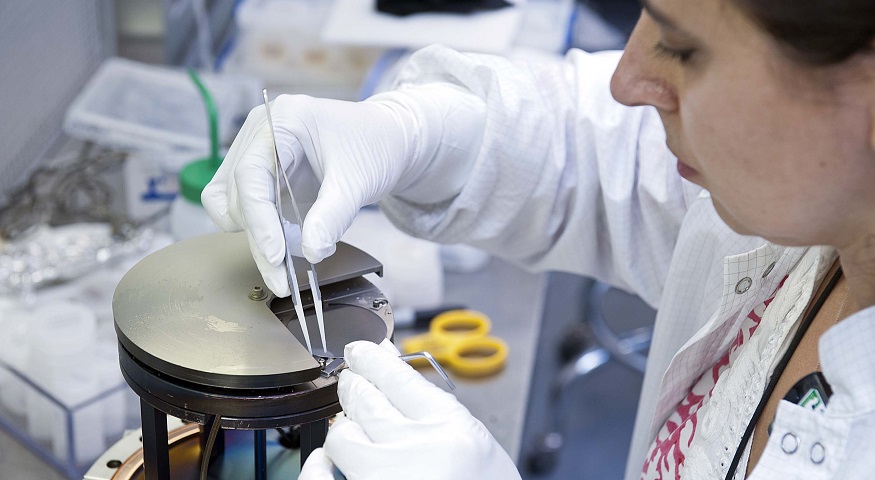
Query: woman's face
(787, 151)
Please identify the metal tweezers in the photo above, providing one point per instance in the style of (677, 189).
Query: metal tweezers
(290, 267)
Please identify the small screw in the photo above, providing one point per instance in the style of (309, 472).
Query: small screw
(257, 293)
(379, 302)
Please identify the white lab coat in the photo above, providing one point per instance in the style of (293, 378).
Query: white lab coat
(568, 179)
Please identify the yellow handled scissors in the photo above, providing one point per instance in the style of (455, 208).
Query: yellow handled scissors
(460, 341)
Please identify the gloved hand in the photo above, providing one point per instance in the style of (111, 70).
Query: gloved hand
(398, 425)
(353, 154)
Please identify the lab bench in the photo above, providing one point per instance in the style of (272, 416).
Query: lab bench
(513, 299)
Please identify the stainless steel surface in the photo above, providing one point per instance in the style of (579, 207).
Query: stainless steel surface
(185, 310)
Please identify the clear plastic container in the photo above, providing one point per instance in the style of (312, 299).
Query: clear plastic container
(76, 436)
(62, 337)
(138, 107)
(59, 355)
(14, 351)
(67, 401)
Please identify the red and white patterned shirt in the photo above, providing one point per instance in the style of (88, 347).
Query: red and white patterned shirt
(665, 459)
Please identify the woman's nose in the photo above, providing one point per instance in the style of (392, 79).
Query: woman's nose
(640, 78)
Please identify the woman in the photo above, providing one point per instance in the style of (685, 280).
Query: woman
(753, 148)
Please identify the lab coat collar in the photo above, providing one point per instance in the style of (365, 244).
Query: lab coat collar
(749, 279)
(848, 361)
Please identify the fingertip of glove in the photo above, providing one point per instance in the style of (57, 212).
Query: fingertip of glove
(357, 347)
(390, 347)
(216, 205)
(345, 378)
(276, 280)
(317, 253)
(342, 434)
(325, 224)
(280, 291)
(318, 464)
(349, 382)
(356, 352)
(318, 456)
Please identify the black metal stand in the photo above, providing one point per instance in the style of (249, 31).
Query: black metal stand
(312, 437)
(308, 405)
(156, 456)
(260, 455)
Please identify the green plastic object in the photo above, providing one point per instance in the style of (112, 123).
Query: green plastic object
(198, 173)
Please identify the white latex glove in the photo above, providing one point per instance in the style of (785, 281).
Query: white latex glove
(351, 153)
(398, 425)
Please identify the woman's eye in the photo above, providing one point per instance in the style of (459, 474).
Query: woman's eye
(682, 55)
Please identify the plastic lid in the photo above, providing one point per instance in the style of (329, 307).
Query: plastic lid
(194, 177)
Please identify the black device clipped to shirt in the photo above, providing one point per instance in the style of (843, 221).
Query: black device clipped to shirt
(403, 8)
(812, 392)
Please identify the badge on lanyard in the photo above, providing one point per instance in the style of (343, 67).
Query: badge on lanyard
(812, 392)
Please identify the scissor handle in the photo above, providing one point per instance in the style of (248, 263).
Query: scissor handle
(459, 339)
(454, 325)
(477, 357)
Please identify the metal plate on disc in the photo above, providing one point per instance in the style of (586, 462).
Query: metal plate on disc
(343, 324)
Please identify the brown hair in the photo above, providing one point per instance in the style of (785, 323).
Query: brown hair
(818, 32)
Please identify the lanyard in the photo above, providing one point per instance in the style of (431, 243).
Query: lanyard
(779, 370)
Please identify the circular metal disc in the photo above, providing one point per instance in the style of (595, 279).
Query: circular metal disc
(185, 311)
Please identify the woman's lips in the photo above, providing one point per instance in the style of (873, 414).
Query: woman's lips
(685, 170)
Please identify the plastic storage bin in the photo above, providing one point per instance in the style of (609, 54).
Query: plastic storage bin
(78, 431)
(133, 106)
(62, 394)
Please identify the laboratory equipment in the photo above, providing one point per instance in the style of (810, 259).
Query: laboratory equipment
(201, 339)
(460, 340)
(290, 271)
